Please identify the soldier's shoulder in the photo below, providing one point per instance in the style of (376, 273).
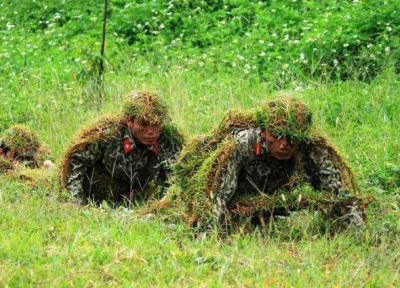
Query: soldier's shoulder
(171, 134)
(245, 132)
(101, 130)
(237, 119)
(317, 144)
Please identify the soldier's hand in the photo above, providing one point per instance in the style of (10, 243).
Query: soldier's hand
(48, 164)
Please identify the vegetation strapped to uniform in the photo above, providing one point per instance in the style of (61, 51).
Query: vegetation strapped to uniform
(200, 166)
(143, 105)
(243, 208)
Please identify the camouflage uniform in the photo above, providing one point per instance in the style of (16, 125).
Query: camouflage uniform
(119, 162)
(245, 171)
(225, 175)
(106, 164)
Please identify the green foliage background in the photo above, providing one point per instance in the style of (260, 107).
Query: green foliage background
(204, 57)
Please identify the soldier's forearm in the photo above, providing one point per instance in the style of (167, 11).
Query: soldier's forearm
(219, 210)
(75, 188)
(75, 180)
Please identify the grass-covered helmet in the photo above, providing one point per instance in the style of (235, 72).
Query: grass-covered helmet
(145, 106)
(286, 117)
(22, 141)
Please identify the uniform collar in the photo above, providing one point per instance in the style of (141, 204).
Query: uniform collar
(261, 145)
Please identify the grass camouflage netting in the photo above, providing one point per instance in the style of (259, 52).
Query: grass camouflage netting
(201, 163)
(144, 105)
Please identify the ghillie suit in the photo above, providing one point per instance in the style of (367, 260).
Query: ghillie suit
(229, 177)
(104, 163)
(25, 146)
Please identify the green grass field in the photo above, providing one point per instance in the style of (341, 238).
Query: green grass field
(46, 241)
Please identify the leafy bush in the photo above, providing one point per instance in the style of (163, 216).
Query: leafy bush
(328, 39)
(323, 38)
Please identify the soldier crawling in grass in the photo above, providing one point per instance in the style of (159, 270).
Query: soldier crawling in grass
(126, 157)
(233, 173)
(22, 148)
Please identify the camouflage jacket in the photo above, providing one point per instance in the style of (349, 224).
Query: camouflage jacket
(251, 173)
(122, 160)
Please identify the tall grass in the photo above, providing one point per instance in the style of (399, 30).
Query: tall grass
(47, 241)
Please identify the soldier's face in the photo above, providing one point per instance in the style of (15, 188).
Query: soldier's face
(143, 132)
(8, 154)
(280, 148)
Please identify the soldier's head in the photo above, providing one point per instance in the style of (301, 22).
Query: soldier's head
(285, 122)
(146, 114)
(19, 143)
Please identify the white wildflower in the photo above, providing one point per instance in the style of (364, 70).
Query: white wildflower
(335, 62)
(10, 26)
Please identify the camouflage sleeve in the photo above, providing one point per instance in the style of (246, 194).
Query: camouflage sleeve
(246, 140)
(170, 156)
(325, 175)
(78, 165)
(171, 147)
